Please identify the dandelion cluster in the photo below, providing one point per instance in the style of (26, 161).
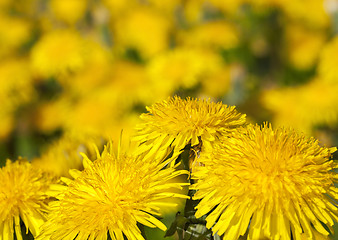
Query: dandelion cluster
(68, 58)
(185, 81)
(250, 180)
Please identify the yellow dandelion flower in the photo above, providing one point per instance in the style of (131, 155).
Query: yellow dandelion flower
(14, 32)
(228, 6)
(273, 181)
(328, 60)
(259, 4)
(69, 11)
(95, 74)
(218, 83)
(314, 14)
(182, 67)
(132, 78)
(16, 85)
(112, 194)
(176, 122)
(64, 154)
(166, 7)
(51, 115)
(6, 124)
(303, 45)
(22, 196)
(294, 106)
(58, 52)
(134, 29)
(193, 10)
(15, 89)
(214, 34)
(119, 7)
(102, 105)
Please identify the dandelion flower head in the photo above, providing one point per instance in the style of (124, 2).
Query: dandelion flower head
(16, 83)
(212, 34)
(112, 194)
(183, 67)
(23, 195)
(64, 154)
(273, 181)
(303, 45)
(315, 14)
(58, 53)
(69, 11)
(178, 122)
(14, 31)
(294, 106)
(139, 24)
(328, 60)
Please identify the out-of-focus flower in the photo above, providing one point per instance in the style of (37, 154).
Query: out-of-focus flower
(4, 3)
(50, 116)
(58, 53)
(218, 83)
(16, 89)
(144, 30)
(64, 154)
(15, 83)
(176, 122)
(90, 115)
(23, 195)
(69, 11)
(118, 8)
(313, 15)
(28, 8)
(228, 6)
(166, 7)
(192, 10)
(124, 123)
(112, 194)
(182, 67)
(14, 32)
(274, 182)
(327, 66)
(303, 107)
(95, 73)
(303, 45)
(100, 113)
(212, 34)
(131, 78)
(263, 4)
(6, 124)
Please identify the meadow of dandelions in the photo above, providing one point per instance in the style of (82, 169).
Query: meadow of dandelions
(251, 180)
(177, 120)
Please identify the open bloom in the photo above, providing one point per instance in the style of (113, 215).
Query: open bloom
(275, 183)
(176, 122)
(23, 195)
(112, 194)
